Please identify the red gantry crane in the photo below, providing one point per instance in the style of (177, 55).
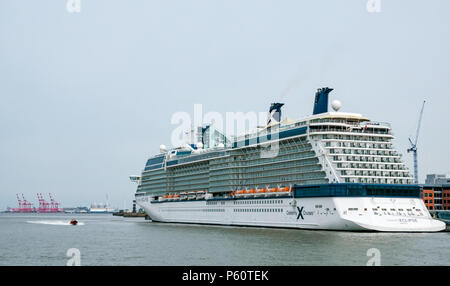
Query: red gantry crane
(27, 206)
(44, 206)
(54, 205)
(20, 208)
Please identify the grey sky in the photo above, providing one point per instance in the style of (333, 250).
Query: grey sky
(87, 97)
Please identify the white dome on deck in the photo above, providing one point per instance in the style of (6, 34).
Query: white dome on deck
(336, 105)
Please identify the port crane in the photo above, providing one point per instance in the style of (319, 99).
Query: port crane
(413, 147)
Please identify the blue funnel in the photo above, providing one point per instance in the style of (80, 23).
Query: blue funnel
(275, 112)
(321, 100)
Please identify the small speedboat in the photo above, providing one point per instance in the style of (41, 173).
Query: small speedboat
(73, 222)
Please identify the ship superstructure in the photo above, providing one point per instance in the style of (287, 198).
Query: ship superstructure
(102, 208)
(331, 170)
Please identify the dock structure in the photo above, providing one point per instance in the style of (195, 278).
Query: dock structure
(131, 214)
(24, 206)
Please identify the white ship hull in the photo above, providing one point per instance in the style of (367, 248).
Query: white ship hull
(101, 210)
(327, 213)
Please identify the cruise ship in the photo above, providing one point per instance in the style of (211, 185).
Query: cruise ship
(329, 171)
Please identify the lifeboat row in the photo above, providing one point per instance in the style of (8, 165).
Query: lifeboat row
(267, 192)
(198, 195)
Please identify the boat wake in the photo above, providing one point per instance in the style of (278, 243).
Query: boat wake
(53, 222)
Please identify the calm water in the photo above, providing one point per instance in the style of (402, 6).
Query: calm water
(108, 240)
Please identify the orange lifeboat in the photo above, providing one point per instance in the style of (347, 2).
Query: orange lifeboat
(252, 191)
(272, 190)
(240, 192)
(261, 190)
(285, 189)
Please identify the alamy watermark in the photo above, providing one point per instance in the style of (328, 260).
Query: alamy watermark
(73, 6)
(373, 6)
(74, 255)
(236, 126)
(375, 257)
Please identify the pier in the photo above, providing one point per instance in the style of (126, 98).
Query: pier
(131, 214)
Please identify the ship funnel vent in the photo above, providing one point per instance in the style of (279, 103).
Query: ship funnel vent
(321, 100)
(275, 113)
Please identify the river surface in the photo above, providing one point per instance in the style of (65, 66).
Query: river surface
(103, 239)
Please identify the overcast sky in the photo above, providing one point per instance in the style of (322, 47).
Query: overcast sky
(86, 97)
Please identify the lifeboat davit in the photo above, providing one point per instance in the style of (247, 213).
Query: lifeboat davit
(285, 189)
(239, 193)
(260, 191)
(73, 222)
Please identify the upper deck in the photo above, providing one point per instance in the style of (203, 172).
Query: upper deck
(325, 123)
(326, 147)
